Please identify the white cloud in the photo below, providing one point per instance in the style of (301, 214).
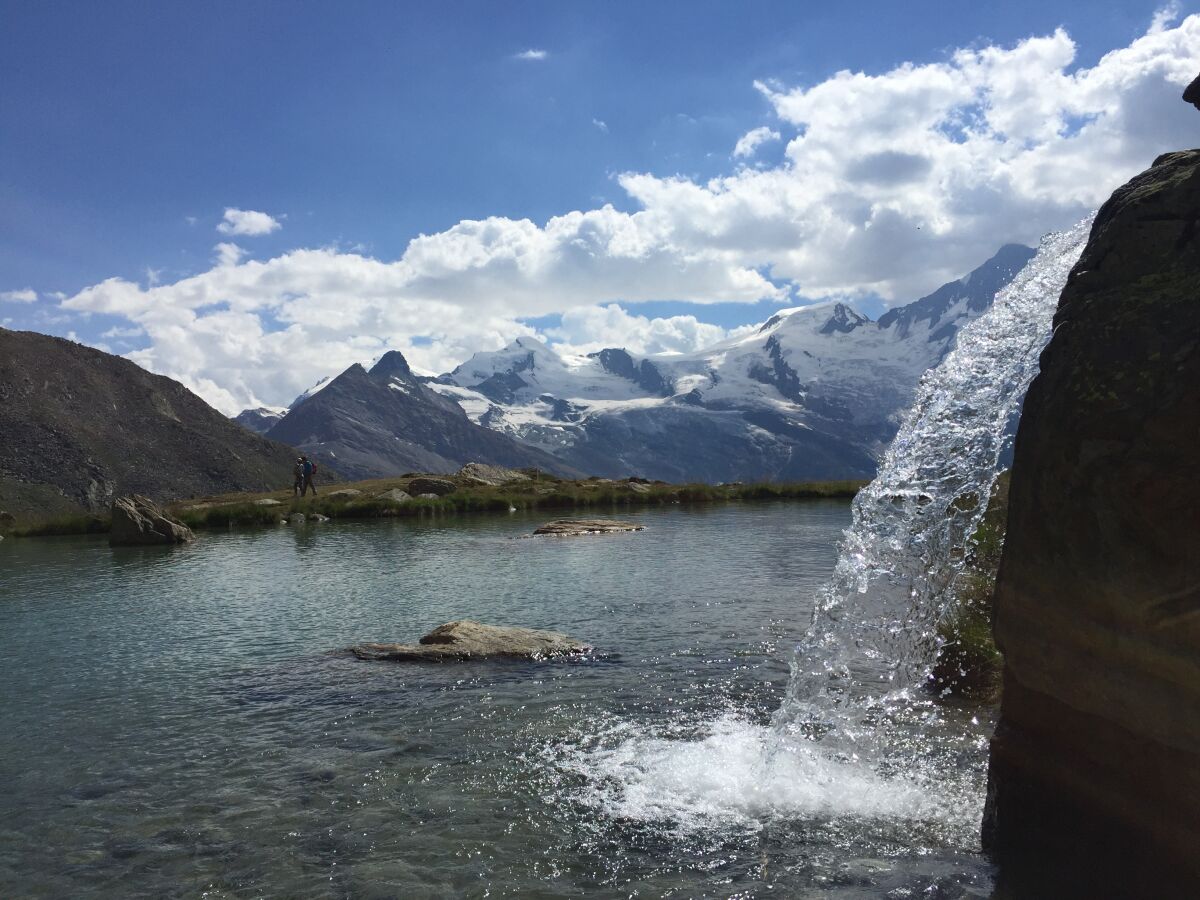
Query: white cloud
(897, 182)
(247, 222)
(590, 328)
(1164, 17)
(751, 140)
(226, 254)
(28, 295)
(191, 220)
(531, 54)
(601, 124)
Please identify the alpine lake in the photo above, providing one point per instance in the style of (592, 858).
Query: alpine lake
(179, 723)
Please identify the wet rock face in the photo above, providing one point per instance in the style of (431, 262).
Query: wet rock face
(137, 521)
(473, 640)
(1097, 752)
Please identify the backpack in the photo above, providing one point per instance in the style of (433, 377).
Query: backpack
(313, 463)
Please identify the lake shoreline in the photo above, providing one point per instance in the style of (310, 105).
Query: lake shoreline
(367, 500)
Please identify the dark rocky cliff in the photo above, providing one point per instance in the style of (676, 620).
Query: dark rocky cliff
(78, 426)
(1095, 764)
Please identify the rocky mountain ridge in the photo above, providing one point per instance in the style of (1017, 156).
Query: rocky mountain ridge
(811, 393)
(386, 421)
(81, 426)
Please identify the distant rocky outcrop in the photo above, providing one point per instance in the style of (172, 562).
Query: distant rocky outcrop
(439, 487)
(465, 639)
(1096, 757)
(483, 474)
(386, 421)
(79, 427)
(138, 521)
(260, 420)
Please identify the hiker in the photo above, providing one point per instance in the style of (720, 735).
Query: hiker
(308, 469)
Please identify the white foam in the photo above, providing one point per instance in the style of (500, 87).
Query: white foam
(738, 773)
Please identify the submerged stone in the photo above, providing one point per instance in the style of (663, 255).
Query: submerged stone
(465, 639)
(572, 527)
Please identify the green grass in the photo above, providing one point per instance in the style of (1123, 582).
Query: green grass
(59, 525)
(543, 493)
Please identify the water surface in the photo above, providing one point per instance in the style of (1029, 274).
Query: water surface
(174, 724)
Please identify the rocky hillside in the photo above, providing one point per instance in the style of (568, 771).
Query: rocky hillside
(812, 393)
(78, 426)
(386, 422)
(1095, 764)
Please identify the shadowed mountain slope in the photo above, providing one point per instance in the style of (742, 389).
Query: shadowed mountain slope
(79, 426)
(386, 421)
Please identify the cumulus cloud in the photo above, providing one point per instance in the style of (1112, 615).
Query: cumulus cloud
(531, 54)
(247, 222)
(896, 182)
(601, 124)
(590, 328)
(27, 295)
(749, 142)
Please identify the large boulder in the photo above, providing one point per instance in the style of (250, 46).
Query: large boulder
(1095, 763)
(473, 640)
(491, 476)
(426, 485)
(395, 495)
(137, 520)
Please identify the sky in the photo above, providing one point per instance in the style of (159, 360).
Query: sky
(249, 197)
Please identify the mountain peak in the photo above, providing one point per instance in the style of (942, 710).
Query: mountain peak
(843, 320)
(391, 363)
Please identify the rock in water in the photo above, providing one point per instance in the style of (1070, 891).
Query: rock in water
(481, 473)
(474, 640)
(570, 527)
(1096, 757)
(438, 486)
(136, 520)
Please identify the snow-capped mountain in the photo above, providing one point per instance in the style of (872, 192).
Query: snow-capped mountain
(261, 419)
(386, 421)
(813, 392)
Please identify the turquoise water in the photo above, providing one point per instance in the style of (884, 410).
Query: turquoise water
(175, 725)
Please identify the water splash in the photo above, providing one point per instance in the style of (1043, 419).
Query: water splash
(857, 736)
(873, 637)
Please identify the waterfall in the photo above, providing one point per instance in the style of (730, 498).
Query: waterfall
(857, 735)
(873, 637)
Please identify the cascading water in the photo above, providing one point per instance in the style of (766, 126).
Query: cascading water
(857, 735)
(874, 634)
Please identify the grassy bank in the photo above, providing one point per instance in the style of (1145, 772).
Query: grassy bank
(361, 500)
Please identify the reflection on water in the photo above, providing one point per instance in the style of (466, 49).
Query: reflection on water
(174, 724)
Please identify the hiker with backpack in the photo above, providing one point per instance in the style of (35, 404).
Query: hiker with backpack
(298, 475)
(309, 469)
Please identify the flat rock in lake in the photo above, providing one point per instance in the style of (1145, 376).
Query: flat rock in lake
(570, 527)
(473, 640)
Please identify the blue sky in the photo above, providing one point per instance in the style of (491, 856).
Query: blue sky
(129, 128)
